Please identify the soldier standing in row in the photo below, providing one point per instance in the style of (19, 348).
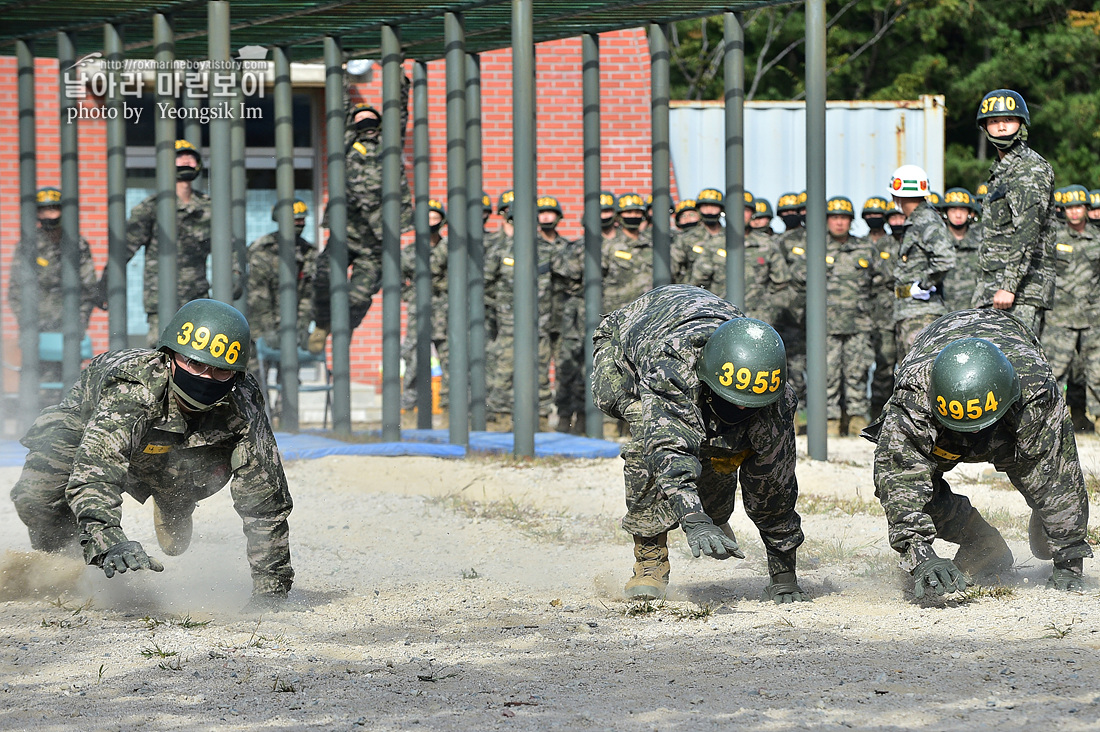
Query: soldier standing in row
(1016, 255)
(704, 390)
(437, 269)
(192, 238)
(977, 388)
(567, 328)
(961, 212)
(762, 217)
(792, 325)
(885, 248)
(695, 241)
(627, 262)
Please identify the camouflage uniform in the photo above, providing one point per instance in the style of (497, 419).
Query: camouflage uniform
(46, 259)
(767, 277)
(960, 282)
(263, 287)
(192, 247)
(437, 264)
(681, 459)
(686, 245)
(926, 254)
(627, 268)
(501, 323)
(1017, 246)
(120, 430)
(1067, 330)
(1033, 443)
(792, 322)
(882, 319)
(849, 291)
(567, 326)
(697, 244)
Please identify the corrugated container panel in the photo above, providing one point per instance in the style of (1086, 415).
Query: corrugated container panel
(866, 141)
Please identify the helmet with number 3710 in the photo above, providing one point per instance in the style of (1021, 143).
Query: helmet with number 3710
(972, 385)
(745, 363)
(1002, 103)
(210, 332)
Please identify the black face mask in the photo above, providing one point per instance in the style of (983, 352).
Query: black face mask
(875, 223)
(791, 220)
(1060, 214)
(726, 412)
(711, 219)
(1094, 222)
(434, 228)
(632, 223)
(607, 223)
(368, 124)
(198, 393)
(899, 231)
(959, 227)
(186, 173)
(299, 228)
(688, 225)
(50, 224)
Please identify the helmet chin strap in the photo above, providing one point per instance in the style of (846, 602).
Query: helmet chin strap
(1004, 143)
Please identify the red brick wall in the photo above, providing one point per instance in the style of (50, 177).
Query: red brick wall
(625, 123)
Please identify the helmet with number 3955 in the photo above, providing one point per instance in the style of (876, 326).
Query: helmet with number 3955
(210, 332)
(972, 385)
(745, 363)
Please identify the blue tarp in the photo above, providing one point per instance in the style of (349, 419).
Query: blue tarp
(546, 443)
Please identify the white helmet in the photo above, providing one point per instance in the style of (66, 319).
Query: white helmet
(909, 181)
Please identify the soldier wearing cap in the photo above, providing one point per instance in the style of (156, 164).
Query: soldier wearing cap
(762, 216)
(875, 213)
(961, 212)
(1016, 254)
(263, 280)
(566, 329)
(627, 261)
(690, 244)
(437, 271)
(792, 322)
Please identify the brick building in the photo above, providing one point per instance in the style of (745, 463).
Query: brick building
(625, 109)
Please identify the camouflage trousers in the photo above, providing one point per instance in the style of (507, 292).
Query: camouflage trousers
(363, 283)
(40, 500)
(882, 383)
(794, 340)
(1072, 354)
(906, 332)
(500, 359)
(848, 360)
(410, 383)
(569, 366)
(1029, 315)
(151, 338)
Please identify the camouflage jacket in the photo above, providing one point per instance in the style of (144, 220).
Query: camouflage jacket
(690, 247)
(1017, 245)
(627, 268)
(122, 431)
(1033, 442)
(192, 247)
(567, 283)
(500, 282)
(658, 339)
(793, 245)
(926, 255)
(882, 301)
(1077, 261)
(44, 262)
(767, 277)
(437, 268)
(958, 286)
(363, 168)
(263, 287)
(849, 284)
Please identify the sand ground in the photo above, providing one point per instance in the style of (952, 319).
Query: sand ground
(485, 594)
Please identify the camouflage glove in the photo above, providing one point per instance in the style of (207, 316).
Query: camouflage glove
(783, 589)
(706, 538)
(938, 576)
(1068, 576)
(127, 555)
(265, 602)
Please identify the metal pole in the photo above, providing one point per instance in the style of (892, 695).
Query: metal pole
(662, 185)
(815, 230)
(288, 260)
(391, 235)
(525, 379)
(165, 132)
(238, 204)
(337, 248)
(475, 243)
(70, 219)
(116, 194)
(221, 163)
(735, 158)
(28, 227)
(454, 34)
(192, 127)
(422, 275)
(593, 237)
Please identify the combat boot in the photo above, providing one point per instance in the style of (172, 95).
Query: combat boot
(564, 420)
(173, 529)
(317, 340)
(579, 424)
(651, 568)
(982, 550)
(832, 427)
(1038, 537)
(856, 425)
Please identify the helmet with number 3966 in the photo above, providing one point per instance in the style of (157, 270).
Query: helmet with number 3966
(745, 363)
(972, 385)
(210, 332)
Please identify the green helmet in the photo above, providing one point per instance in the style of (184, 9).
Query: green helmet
(840, 206)
(1094, 199)
(711, 195)
(745, 363)
(876, 206)
(959, 198)
(504, 203)
(750, 202)
(1075, 195)
(972, 385)
(210, 332)
(607, 201)
(630, 202)
(762, 209)
(48, 197)
(935, 200)
(437, 206)
(486, 203)
(1002, 103)
(788, 202)
(548, 203)
(300, 210)
(183, 147)
(981, 192)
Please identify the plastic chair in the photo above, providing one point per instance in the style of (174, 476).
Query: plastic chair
(267, 357)
(51, 348)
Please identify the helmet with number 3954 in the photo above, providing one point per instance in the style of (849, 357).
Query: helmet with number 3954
(972, 385)
(210, 332)
(745, 363)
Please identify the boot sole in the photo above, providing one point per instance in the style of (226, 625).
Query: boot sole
(645, 593)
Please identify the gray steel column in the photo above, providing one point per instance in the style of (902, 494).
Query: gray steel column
(593, 235)
(815, 230)
(28, 228)
(391, 235)
(165, 131)
(475, 245)
(288, 261)
(116, 195)
(221, 164)
(192, 128)
(337, 248)
(735, 158)
(70, 219)
(238, 202)
(422, 327)
(526, 371)
(662, 184)
(454, 34)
